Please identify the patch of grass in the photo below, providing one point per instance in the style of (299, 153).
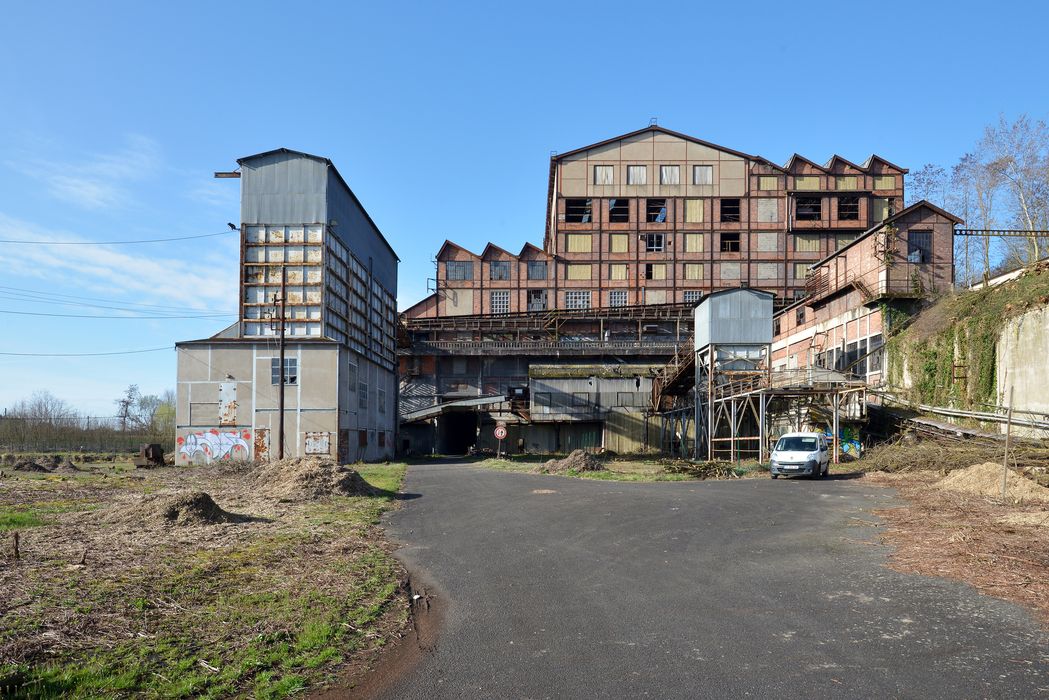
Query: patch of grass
(12, 519)
(267, 616)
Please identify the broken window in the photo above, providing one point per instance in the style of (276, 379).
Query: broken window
(618, 242)
(775, 326)
(655, 271)
(603, 174)
(799, 315)
(537, 300)
(500, 302)
(919, 246)
(730, 241)
(656, 211)
(351, 376)
(637, 175)
(848, 208)
(702, 174)
(537, 269)
(499, 269)
(669, 175)
(459, 270)
(809, 209)
(874, 360)
(617, 297)
(291, 370)
(655, 242)
(619, 211)
(730, 209)
(577, 300)
(362, 396)
(578, 211)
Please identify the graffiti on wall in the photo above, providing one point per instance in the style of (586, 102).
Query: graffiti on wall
(209, 445)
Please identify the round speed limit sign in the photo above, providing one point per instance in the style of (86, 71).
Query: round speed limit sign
(500, 433)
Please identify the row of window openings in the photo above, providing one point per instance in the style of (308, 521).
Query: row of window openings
(537, 298)
(728, 242)
(291, 377)
(580, 211)
(589, 399)
(704, 175)
(363, 438)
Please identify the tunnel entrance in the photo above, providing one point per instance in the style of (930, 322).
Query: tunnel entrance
(456, 432)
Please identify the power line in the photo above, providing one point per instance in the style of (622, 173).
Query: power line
(148, 349)
(34, 313)
(17, 296)
(148, 240)
(78, 296)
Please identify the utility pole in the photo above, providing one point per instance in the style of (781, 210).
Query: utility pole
(278, 326)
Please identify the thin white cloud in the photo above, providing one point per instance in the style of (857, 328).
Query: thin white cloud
(205, 277)
(98, 180)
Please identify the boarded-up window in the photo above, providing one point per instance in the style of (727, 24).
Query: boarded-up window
(693, 271)
(693, 242)
(806, 182)
(843, 239)
(618, 242)
(693, 211)
(578, 242)
(655, 271)
(768, 271)
(768, 210)
(602, 174)
(637, 175)
(655, 296)
(879, 209)
(801, 270)
(617, 272)
(578, 272)
(702, 174)
(768, 242)
(204, 414)
(884, 182)
(669, 175)
(845, 182)
(768, 182)
(729, 271)
(807, 242)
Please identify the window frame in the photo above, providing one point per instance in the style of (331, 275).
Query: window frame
(696, 169)
(661, 210)
(467, 266)
(536, 265)
(726, 246)
(619, 213)
(579, 294)
(655, 242)
(617, 298)
(611, 169)
(728, 218)
(586, 216)
(503, 295)
(640, 168)
(853, 204)
(291, 371)
(923, 246)
(668, 168)
(810, 213)
(503, 265)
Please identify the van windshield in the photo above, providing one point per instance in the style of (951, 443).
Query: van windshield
(797, 444)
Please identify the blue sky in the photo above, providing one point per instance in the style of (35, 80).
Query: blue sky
(116, 114)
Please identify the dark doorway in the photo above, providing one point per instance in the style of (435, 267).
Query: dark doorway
(456, 432)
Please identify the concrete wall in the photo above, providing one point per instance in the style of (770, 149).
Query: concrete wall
(1023, 366)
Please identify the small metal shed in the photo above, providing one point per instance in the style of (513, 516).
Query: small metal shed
(740, 316)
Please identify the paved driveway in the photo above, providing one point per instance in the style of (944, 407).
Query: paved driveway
(721, 589)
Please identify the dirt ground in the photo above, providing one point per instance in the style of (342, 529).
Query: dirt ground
(205, 581)
(955, 525)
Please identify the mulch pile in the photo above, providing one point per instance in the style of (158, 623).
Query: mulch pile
(309, 479)
(986, 480)
(183, 509)
(576, 461)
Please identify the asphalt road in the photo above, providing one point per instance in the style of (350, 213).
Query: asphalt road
(753, 588)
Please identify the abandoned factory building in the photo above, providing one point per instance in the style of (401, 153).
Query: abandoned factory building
(561, 343)
(313, 261)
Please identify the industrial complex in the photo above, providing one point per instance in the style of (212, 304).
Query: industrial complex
(592, 340)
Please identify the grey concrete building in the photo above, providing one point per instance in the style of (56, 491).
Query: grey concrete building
(302, 231)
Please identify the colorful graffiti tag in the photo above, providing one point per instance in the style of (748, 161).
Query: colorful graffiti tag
(213, 444)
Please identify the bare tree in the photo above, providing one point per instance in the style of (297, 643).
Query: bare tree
(979, 183)
(928, 183)
(126, 405)
(1018, 154)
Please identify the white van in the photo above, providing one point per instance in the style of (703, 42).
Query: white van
(800, 453)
